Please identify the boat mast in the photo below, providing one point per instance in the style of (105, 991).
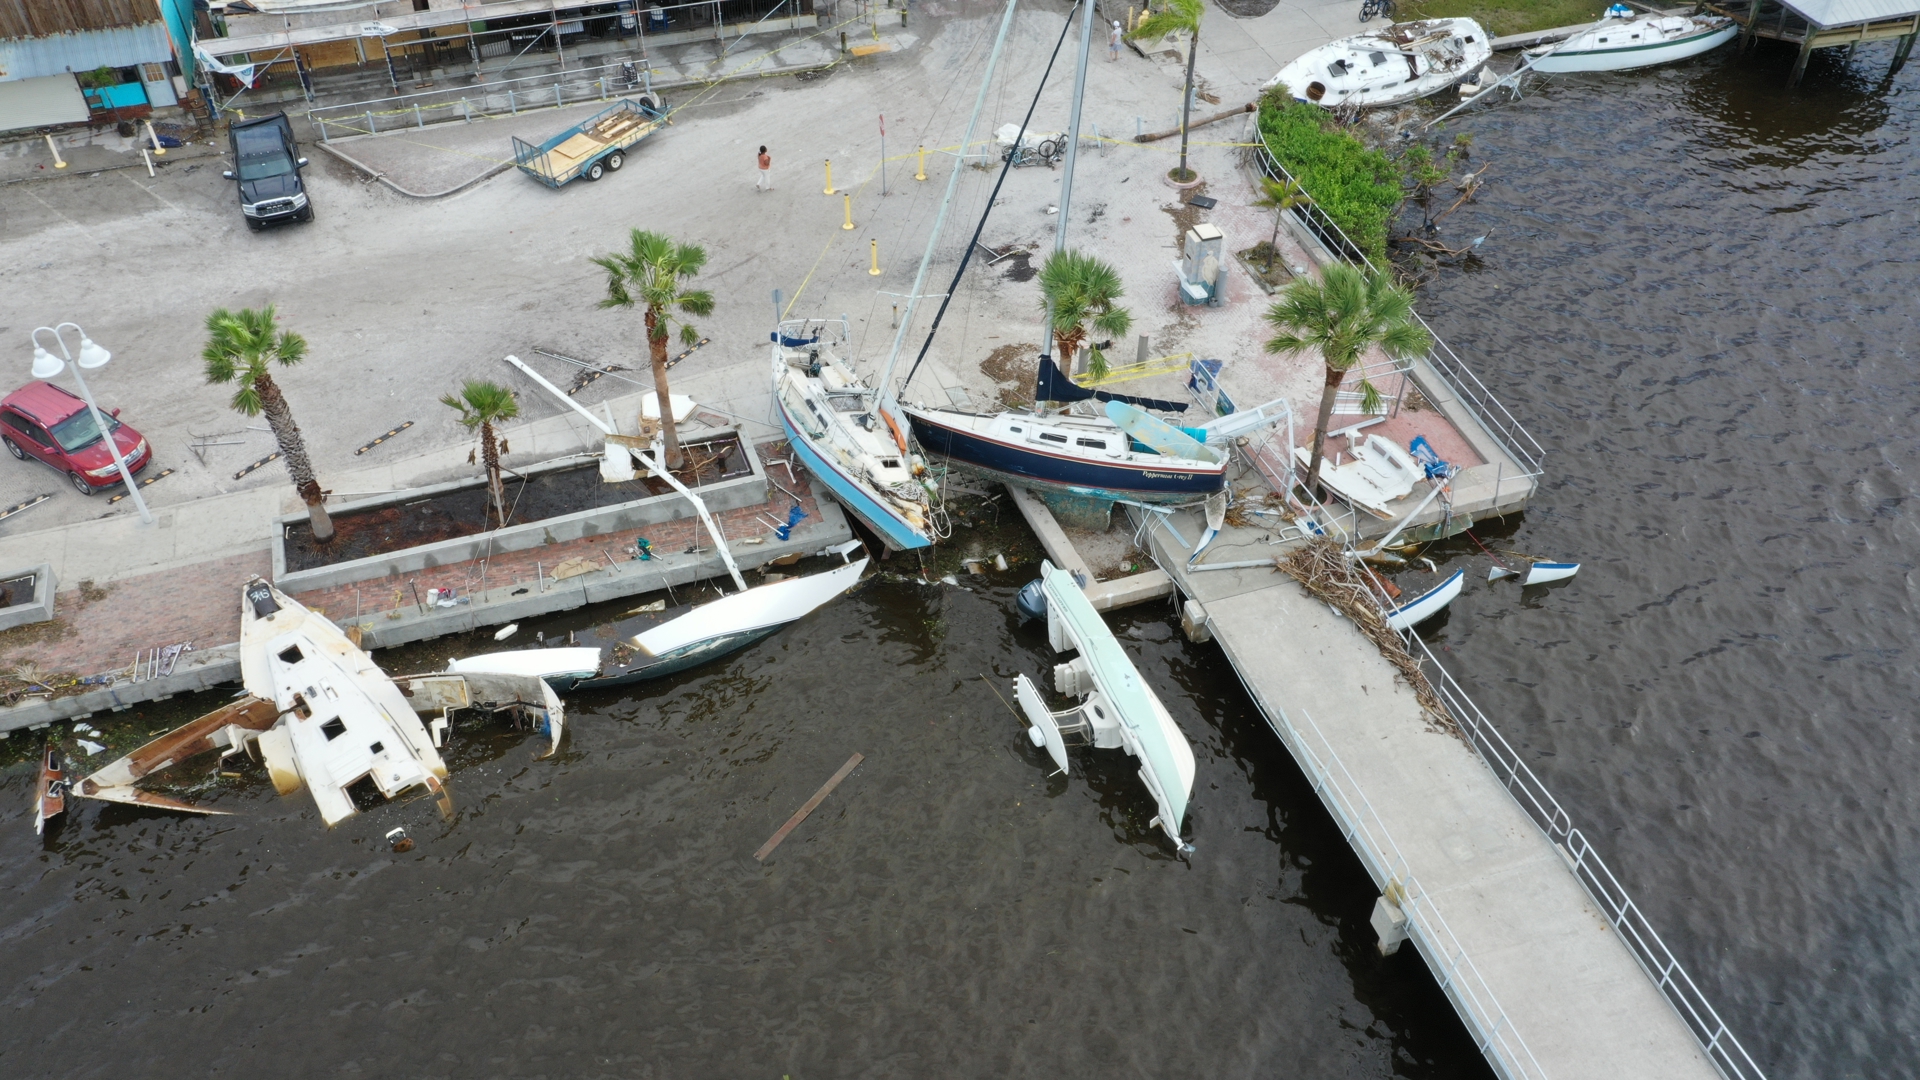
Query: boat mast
(887, 396)
(1066, 181)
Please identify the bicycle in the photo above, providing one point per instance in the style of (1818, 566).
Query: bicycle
(1370, 8)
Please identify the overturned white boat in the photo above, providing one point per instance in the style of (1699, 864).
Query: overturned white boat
(1621, 42)
(1119, 710)
(343, 719)
(1404, 617)
(1394, 64)
(670, 643)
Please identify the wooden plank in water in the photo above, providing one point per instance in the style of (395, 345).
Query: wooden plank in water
(800, 815)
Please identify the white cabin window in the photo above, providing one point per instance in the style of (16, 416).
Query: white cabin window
(1378, 58)
(890, 463)
(1097, 444)
(1053, 438)
(1014, 429)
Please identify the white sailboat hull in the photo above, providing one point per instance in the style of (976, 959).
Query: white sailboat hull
(1623, 46)
(1388, 66)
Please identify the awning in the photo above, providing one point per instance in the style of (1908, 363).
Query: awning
(42, 102)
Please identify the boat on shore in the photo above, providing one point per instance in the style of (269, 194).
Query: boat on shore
(1395, 64)
(838, 428)
(1622, 42)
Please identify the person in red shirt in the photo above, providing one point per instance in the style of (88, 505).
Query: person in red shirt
(765, 183)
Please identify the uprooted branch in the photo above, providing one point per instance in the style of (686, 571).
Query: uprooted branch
(1326, 572)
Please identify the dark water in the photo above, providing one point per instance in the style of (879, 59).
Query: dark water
(1700, 297)
(950, 911)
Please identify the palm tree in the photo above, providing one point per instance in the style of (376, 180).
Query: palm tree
(481, 404)
(653, 273)
(1280, 197)
(1178, 16)
(241, 347)
(1342, 316)
(1078, 292)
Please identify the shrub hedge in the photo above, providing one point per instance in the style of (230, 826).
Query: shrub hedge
(1358, 188)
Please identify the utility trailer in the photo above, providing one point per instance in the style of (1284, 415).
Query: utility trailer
(595, 147)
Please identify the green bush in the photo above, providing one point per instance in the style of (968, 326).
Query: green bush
(1358, 188)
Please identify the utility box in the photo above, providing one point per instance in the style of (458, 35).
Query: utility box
(1202, 266)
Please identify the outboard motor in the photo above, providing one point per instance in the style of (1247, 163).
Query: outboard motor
(1031, 602)
(629, 75)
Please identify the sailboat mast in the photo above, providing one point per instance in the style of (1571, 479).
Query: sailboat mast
(1066, 181)
(1073, 123)
(887, 401)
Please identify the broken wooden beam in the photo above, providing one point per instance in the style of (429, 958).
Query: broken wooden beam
(812, 804)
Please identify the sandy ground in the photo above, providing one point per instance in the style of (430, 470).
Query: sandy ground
(402, 299)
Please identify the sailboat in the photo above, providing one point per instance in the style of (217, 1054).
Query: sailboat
(848, 433)
(835, 425)
(1066, 453)
(1625, 39)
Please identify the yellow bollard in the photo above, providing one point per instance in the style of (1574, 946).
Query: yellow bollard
(58, 161)
(922, 173)
(874, 271)
(829, 176)
(849, 223)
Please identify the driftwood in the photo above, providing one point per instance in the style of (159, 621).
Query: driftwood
(1326, 572)
(1154, 136)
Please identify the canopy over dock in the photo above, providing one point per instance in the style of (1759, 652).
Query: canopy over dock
(1825, 24)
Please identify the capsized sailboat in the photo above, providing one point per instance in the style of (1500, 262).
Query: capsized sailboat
(1118, 709)
(648, 645)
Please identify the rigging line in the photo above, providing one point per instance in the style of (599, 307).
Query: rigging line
(1005, 168)
(887, 399)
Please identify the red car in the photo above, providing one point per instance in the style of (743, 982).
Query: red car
(44, 423)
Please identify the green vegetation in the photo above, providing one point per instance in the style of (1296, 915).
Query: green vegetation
(1503, 17)
(1358, 188)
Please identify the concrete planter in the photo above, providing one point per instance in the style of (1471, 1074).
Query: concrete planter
(743, 491)
(31, 609)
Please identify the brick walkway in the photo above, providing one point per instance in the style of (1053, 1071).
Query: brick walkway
(199, 603)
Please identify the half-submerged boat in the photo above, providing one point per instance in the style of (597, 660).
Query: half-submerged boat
(1625, 40)
(1389, 66)
(1406, 616)
(839, 430)
(1118, 711)
(648, 645)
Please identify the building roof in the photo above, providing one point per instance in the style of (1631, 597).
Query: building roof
(1847, 12)
(45, 18)
(124, 46)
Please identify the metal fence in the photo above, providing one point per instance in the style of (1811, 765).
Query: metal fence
(1629, 923)
(506, 97)
(1625, 916)
(1494, 416)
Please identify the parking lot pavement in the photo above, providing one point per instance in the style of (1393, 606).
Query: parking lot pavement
(401, 299)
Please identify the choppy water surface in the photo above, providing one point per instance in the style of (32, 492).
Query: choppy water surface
(950, 911)
(1700, 296)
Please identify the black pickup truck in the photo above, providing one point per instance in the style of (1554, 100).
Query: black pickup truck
(266, 164)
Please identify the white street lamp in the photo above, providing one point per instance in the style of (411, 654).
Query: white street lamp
(46, 366)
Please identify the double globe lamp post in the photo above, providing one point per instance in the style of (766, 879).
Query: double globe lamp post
(46, 366)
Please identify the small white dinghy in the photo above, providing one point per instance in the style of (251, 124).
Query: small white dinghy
(1120, 711)
(1621, 42)
(1542, 572)
(1428, 604)
(1380, 472)
(1389, 66)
